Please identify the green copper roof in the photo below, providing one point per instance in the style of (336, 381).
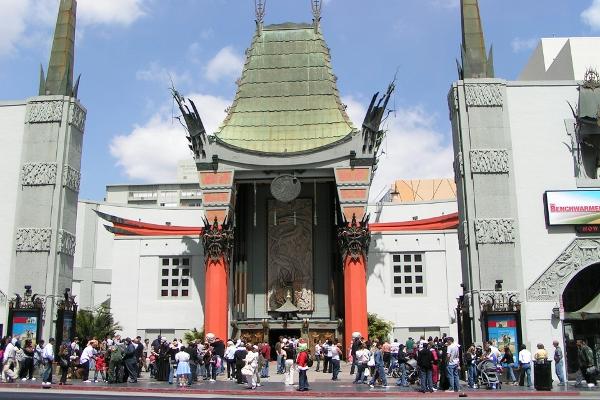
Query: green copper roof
(59, 80)
(287, 99)
(475, 62)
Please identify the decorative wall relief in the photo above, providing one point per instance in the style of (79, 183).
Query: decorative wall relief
(483, 95)
(33, 239)
(491, 300)
(71, 178)
(494, 230)
(77, 116)
(66, 242)
(489, 161)
(44, 111)
(578, 255)
(35, 174)
(290, 254)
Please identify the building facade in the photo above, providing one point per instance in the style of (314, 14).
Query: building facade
(41, 150)
(516, 145)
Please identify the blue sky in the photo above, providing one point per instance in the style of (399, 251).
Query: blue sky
(128, 50)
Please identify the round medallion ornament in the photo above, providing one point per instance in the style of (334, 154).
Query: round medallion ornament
(285, 188)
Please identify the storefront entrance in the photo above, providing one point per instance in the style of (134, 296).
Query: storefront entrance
(578, 295)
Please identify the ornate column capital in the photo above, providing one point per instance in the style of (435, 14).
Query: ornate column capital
(354, 238)
(217, 240)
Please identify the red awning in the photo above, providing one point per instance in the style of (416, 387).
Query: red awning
(127, 227)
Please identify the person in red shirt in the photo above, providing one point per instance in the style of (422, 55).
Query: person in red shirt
(100, 367)
(302, 362)
(266, 353)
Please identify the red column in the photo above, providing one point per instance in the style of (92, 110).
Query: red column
(216, 298)
(355, 297)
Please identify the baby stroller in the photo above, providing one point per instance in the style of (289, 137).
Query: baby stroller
(412, 372)
(489, 376)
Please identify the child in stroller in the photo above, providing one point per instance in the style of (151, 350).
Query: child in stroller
(489, 374)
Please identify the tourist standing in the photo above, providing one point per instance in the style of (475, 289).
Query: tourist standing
(559, 363)
(471, 363)
(251, 361)
(402, 359)
(541, 355)
(318, 355)
(63, 362)
(184, 373)
(240, 361)
(586, 362)
(48, 359)
(425, 363)
(362, 358)
(302, 362)
(230, 359)
(265, 351)
(453, 364)
(288, 353)
(325, 349)
(509, 360)
(335, 361)
(525, 364)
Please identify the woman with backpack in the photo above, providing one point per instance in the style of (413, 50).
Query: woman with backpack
(303, 361)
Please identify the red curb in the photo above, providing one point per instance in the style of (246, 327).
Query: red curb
(310, 393)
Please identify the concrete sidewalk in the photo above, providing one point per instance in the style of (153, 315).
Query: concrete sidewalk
(321, 385)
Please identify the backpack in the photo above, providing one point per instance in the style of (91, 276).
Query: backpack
(20, 355)
(309, 360)
(116, 354)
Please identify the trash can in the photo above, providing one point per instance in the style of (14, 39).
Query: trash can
(542, 375)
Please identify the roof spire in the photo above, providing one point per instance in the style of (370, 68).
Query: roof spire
(59, 80)
(316, 10)
(475, 62)
(260, 8)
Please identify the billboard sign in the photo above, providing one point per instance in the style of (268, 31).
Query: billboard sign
(573, 207)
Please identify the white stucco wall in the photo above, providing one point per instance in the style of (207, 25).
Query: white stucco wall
(542, 161)
(12, 119)
(433, 312)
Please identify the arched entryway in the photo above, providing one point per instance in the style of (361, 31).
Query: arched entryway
(579, 292)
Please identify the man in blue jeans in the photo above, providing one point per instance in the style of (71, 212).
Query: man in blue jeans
(379, 368)
(453, 365)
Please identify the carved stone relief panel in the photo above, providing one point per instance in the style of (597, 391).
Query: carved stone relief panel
(290, 254)
(66, 242)
(491, 300)
(483, 95)
(77, 116)
(578, 255)
(494, 230)
(489, 161)
(453, 101)
(44, 111)
(33, 239)
(71, 178)
(35, 174)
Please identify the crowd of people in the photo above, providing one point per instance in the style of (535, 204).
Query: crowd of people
(431, 364)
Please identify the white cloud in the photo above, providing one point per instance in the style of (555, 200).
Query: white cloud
(150, 152)
(225, 64)
(165, 76)
(413, 148)
(29, 22)
(108, 12)
(591, 15)
(518, 45)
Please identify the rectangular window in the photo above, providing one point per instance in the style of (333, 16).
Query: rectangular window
(408, 274)
(175, 277)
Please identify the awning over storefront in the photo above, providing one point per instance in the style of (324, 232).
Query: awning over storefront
(590, 311)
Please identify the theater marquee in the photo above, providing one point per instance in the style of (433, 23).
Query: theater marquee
(573, 207)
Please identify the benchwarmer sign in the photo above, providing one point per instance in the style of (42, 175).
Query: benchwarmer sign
(573, 207)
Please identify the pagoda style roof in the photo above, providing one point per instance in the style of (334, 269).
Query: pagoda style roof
(287, 99)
